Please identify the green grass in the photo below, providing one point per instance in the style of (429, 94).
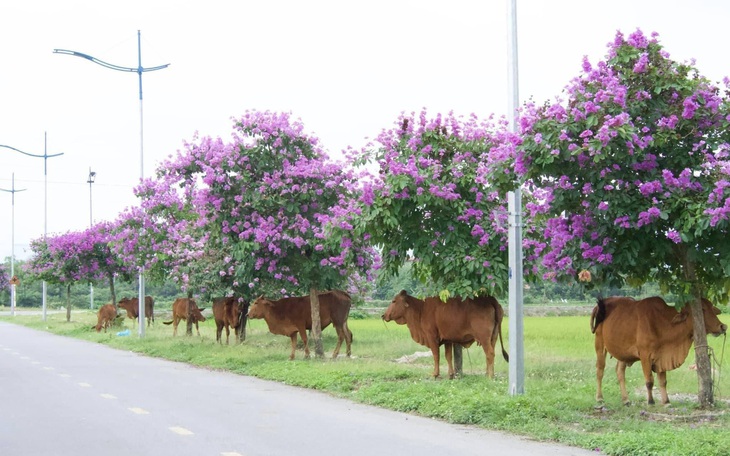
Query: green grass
(558, 404)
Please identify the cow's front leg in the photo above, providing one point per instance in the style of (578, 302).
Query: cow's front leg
(449, 353)
(435, 351)
(197, 328)
(662, 379)
(303, 334)
(649, 379)
(293, 338)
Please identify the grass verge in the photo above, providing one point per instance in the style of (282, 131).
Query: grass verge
(558, 404)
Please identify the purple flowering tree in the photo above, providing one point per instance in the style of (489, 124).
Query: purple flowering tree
(277, 211)
(429, 203)
(634, 170)
(77, 256)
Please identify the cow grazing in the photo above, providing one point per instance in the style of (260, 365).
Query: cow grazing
(433, 323)
(132, 308)
(105, 317)
(649, 331)
(292, 316)
(184, 309)
(229, 313)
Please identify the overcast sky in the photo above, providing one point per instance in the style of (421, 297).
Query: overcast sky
(346, 69)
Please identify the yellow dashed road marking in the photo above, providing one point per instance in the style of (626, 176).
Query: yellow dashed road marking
(138, 411)
(180, 431)
(84, 385)
(108, 396)
(64, 375)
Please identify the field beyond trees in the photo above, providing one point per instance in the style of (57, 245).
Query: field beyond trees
(388, 370)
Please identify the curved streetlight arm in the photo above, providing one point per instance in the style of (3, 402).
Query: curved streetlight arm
(109, 65)
(31, 155)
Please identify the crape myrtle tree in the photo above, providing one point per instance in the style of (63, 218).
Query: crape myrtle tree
(634, 169)
(78, 256)
(427, 203)
(167, 225)
(282, 211)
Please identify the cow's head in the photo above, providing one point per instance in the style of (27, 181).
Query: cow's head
(258, 308)
(130, 305)
(197, 314)
(713, 325)
(396, 311)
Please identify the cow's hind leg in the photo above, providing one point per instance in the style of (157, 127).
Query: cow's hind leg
(489, 352)
(228, 333)
(293, 346)
(600, 367)
(340, 338)
(621, 375)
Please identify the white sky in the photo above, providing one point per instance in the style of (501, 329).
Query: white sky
(347, 69)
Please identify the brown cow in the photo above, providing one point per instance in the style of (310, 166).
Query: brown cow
(289, 316)
(648, 331)
(229, 313)
(182, 309)
(132, 308)
(105, 317)
(433, 322)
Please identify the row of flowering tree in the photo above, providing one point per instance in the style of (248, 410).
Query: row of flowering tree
(626, 178)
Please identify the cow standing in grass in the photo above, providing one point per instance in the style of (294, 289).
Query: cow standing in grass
(648, 331)
(229, 312)
(433, 323)
(131, 305)
(186, 309)
(292, 316)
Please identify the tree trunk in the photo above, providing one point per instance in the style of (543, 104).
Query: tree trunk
(699, 335)
(112, 291)
(68, 303)
(458, 359)
(316, 332)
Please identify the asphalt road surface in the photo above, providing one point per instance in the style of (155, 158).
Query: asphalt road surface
(61, 396)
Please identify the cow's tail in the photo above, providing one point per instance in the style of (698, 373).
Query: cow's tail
(598, 314)
(167, 322)
(499, 314)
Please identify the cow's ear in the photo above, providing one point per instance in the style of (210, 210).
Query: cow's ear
(403, 293)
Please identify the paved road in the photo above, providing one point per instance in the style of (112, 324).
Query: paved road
(61, 396)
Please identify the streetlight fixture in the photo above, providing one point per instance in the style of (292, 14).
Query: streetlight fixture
(45, 158)
(139, 70)
(13, 279)
(92, 179)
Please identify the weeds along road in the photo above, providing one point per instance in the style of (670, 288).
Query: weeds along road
(61, 396)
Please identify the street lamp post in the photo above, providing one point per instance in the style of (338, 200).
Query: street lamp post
(92, 178)
(12, 191)
(139, 70)
(45, 158)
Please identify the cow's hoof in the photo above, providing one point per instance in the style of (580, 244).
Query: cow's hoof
(627, 403)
